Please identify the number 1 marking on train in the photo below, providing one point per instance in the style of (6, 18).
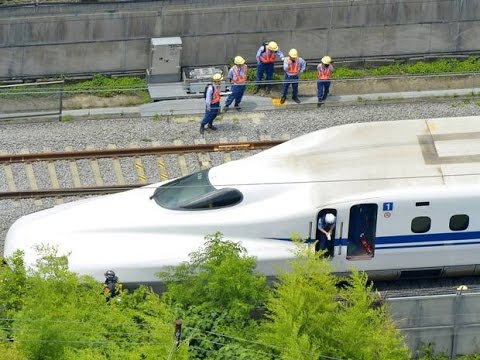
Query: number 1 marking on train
(388, 206)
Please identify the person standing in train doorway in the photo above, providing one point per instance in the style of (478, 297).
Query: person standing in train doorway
(325, 70)
(266, 55)
(326, 225)
(212, 103)
(293, 66)
(238, 76)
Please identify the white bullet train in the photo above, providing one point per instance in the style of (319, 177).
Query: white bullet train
(406, 197)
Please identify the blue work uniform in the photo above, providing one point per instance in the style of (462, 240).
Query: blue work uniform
(238, 76)
(212, 104)
(266, 62)
(323, 83)
(293, 67)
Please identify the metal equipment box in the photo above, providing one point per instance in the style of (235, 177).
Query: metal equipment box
(195, 79)
(164, 63)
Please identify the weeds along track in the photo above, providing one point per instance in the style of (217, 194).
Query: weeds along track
(103, 171)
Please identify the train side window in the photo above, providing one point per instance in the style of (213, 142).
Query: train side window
(362, 232)
(459, 222)
(421, 224)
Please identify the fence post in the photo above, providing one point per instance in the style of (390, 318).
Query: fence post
(61, 101)
(457, 301)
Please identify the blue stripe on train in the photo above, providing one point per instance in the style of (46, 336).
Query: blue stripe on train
(408, 241)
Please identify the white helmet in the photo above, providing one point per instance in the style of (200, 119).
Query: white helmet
(329, 218)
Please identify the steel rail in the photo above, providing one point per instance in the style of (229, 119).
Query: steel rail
(94, 190)
(157, 150)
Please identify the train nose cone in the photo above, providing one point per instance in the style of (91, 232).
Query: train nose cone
(16, 238)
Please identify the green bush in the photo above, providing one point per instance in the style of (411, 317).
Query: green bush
(105, 86)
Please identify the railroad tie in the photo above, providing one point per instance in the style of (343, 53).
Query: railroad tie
(117, 167)
(97, 175)
(7, 168)
(203, 158)
(162, 169)
(52, 173)
(139, 167)
(226, 155)
(76, 181)
(31, 178)
(181, 160)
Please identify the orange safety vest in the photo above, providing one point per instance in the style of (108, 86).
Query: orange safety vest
(293, 67)
(240, 79)
(268, 56)
(216, 94)
(324, 73)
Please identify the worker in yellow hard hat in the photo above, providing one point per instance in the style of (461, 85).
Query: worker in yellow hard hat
(238, 78)
(325, 70)
(212, 102)
(266, 55)
(293, 65)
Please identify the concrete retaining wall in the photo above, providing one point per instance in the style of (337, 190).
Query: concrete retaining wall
(85, 38)
(450, 322)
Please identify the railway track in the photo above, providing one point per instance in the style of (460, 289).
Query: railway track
(92, 171)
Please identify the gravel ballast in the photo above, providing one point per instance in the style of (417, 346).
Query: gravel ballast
(275, 124)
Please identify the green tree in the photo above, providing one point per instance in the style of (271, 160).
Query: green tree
(311, 318)
(63, 316)
(215, 293)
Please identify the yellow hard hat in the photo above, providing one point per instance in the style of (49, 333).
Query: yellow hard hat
(217, 77)
(326, 60)
(272, 45)
(293, 53)
(239, 60)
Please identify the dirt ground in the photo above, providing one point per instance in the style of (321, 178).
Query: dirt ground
(91, 101)
(339, 87)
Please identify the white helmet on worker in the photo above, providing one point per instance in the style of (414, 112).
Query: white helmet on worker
(293, 53)
(217, 77)
(329, 218)
(326, 60)
(272, 45)
(239, 60)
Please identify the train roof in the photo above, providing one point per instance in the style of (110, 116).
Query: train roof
(366, 157)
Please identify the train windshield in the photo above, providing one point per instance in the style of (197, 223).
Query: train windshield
(195, 192)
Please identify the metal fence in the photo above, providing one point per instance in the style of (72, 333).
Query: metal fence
(31, 99)
(450, 324)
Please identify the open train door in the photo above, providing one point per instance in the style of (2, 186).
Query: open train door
(362, 230)
(322, 243)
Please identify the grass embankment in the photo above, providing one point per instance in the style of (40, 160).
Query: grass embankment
(102, 91)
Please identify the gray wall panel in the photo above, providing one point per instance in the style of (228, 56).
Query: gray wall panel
(136, 54)
(140, 25)
(373, 41)
(443, 37)
(451, 323)
(11, 61)
(214, 31)
(313, 18)
(468, 340)
(348, 14)
(468, 9)
(437, 11)
(406, 39)
(346, 41)
(441, 338)
(468, 35)
(12, 33)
